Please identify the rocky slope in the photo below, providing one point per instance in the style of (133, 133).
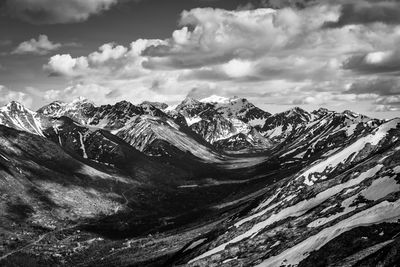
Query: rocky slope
(16, 116)
(337, 212)
(218, 182)
(143, 126)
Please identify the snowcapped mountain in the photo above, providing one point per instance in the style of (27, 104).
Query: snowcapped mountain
(323, 134)
(218, 118)
(296, 188)
(158, 105)
(279, 126)
(15, 115)
(79, 109)
(239, 108)
(145, 130)
(142, 126)
(242, 142)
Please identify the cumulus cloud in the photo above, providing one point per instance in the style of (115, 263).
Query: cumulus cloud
(41, 46)
(110, 60)
(7, 95)
(56, 11)
(67, 66)
(285, 56)
(218, 36)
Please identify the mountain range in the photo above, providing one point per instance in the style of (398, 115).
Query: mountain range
(210, 182)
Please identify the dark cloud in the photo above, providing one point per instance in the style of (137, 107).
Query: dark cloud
(380, 86)
(374, 62)
(277, 4)
(163, 58)
(211, 75)
(55, 11)
(365, 12)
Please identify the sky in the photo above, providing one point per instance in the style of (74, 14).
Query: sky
(340, 55)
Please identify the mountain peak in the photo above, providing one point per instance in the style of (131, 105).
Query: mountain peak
(217, 99)
(297, 110)
(80, 99)
(322, 111)
(124, 103)
(158, 105)
(15, 106)
(350, 113)
(189, 101)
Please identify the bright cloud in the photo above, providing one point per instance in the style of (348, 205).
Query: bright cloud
(237, 68)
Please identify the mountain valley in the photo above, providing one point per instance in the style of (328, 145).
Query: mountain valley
(209, 182)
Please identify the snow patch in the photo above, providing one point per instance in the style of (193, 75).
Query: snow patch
(296, 210)
(82, 146)
(382, 212)
(192, 120)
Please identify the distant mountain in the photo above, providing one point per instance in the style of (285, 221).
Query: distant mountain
(239, 108)
(279, 126)
(158, 105)
(79, 109)
(252, 140)
(142, 126)
(211, 182)
(218, 118)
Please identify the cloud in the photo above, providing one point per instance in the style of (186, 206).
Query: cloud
(365, 12)
(56, 11)
(94, 92)
(277, 4)
(330, 98)
(378, 86)
(67, 66)
(7, 95)
(374, 62)
(386, 108)
(41, 46)
(110, 61)
(387, 103)
(218, 36)
(394, 100)
(282, 56)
